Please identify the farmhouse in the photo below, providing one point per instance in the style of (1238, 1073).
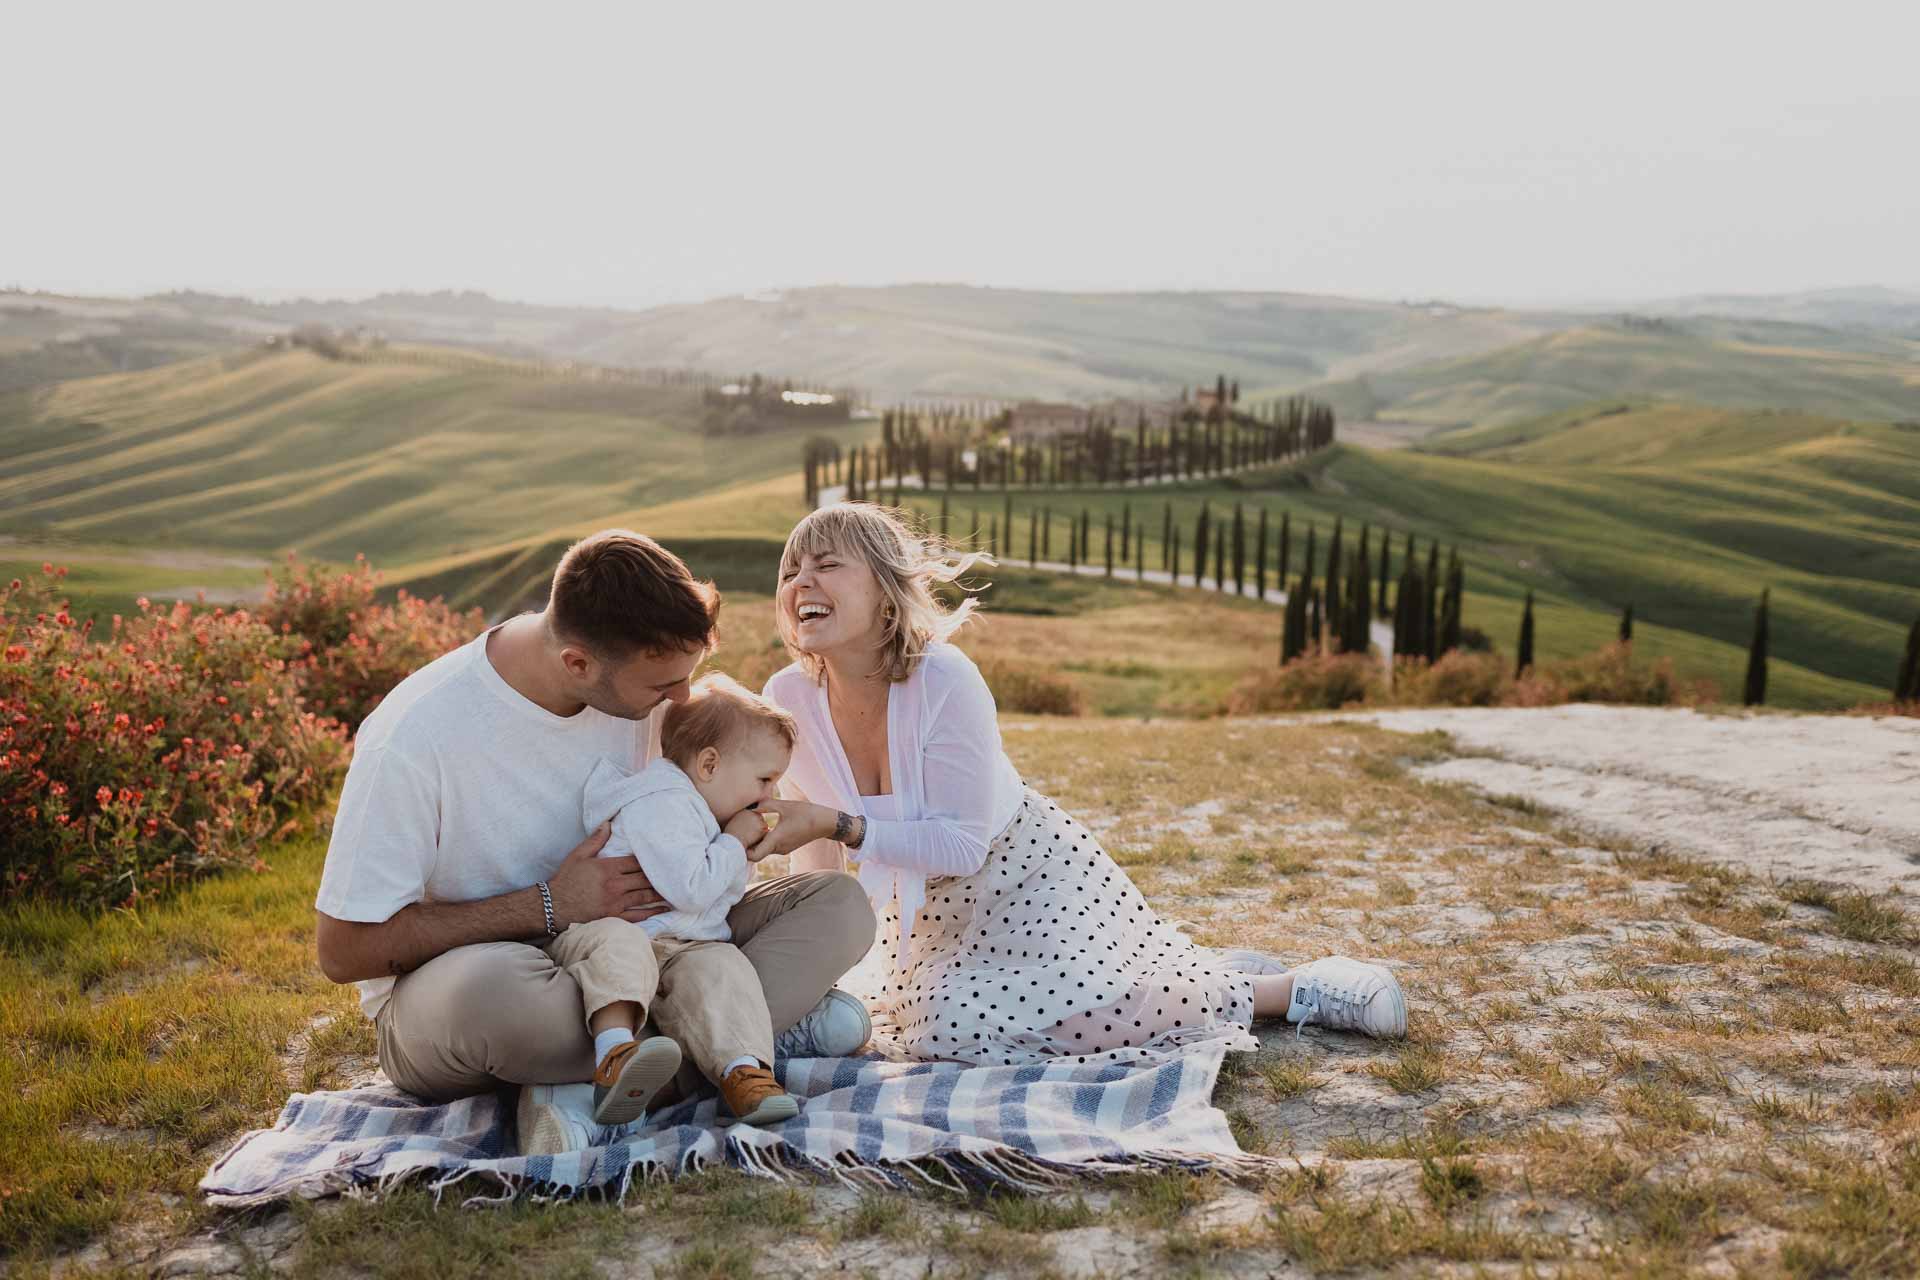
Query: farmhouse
(1033, 420)
(1123, 415)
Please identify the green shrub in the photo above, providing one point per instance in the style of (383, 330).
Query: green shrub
(1458, 679)
(1031, 689)
(1316, 682)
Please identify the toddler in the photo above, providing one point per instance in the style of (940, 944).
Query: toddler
(689, 819)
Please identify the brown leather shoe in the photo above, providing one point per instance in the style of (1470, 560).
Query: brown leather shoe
(755, 1097)
(629, 1076)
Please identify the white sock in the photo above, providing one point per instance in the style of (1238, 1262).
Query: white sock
(748, 1061)
(606, 1040)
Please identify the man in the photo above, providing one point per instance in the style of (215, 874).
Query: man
(459, 845)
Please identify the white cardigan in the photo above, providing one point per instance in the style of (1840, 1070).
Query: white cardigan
(954, 787)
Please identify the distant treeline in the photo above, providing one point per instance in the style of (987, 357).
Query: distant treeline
(945, 450)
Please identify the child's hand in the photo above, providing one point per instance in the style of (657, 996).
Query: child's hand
(750, 828)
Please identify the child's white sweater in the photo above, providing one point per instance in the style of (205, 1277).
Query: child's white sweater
(659, 817)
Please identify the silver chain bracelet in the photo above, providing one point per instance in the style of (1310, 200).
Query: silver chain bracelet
(546, 908)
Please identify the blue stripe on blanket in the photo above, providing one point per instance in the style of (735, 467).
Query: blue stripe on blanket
(867, 1119)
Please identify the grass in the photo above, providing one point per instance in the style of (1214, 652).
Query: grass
(1753, 366)
(1821, 511)
(468, 479)
(1602, 1054)
(261, 452)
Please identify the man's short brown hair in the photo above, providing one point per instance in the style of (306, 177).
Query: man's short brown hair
(619, 593)
(718, 713)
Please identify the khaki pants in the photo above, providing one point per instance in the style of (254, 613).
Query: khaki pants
(705, 995)
(495, 1013)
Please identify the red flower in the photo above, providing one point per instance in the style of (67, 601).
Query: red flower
(104, 795)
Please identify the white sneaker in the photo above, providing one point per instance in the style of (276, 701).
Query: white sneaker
(1347, 995)
(553, 1118)
(837, 1027)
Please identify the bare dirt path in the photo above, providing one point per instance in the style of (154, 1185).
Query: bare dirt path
(1826, 797)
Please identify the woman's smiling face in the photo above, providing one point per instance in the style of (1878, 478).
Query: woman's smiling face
(833, 603)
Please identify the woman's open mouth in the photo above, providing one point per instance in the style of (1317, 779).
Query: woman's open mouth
(810, 612)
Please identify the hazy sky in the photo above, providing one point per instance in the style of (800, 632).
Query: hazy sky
(638, 153)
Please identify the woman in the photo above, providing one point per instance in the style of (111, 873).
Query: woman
(1009, 935)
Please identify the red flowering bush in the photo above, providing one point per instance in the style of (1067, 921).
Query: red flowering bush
(170, 748)
(348, 648)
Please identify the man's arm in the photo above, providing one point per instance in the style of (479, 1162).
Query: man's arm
(585, 887)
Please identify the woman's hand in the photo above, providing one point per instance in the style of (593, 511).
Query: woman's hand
(801, 822)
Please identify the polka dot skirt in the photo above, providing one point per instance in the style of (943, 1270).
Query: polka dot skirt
(1049, 952)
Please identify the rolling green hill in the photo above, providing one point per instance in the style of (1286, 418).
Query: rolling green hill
(265, 452)
(926, 340)
(1686, 512)
(464, 476)
(1755, 365)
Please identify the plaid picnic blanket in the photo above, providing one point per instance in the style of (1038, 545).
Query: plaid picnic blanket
(864, 1120)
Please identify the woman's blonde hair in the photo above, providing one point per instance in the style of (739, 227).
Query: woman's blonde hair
(905, 562)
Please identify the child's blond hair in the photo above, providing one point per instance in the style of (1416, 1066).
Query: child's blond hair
(718, 713)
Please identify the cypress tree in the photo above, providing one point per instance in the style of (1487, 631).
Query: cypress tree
(1033, 538)
(1450, 614)
(1220, 557)
(1431, 623)
(1315, 630)
(1166, 542)
(1046, 533)
(1109, 544)
(1173, 558)
(1756, 690)
(1386, 544)
(1906, 681)
(1626, 624)
(1360, 605)
(1260, 558)
(1286, 548)
(1239, 552)
(1333, 570)
(1526, 639)
(1126, 531)
(1293, 625)
(1407, 642)
(1086, 537)
(1306, 570)
(1139, 559)
(1200, 545)
(1073, 542)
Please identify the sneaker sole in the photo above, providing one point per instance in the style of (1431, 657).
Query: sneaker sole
(772, 1111)
(1399, 1030)
(646, 1071)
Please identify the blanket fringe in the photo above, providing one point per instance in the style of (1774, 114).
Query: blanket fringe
(957, 1171)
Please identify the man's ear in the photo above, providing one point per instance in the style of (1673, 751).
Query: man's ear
(578, 662)
(706, 762)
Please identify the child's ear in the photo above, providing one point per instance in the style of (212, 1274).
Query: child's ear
(707, 762)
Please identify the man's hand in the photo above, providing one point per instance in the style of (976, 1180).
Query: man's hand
(589, 887)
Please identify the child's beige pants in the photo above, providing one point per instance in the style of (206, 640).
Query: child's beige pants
(495, 1013)
(705, 995)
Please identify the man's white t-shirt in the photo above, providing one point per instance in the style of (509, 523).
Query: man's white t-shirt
(462, 788)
